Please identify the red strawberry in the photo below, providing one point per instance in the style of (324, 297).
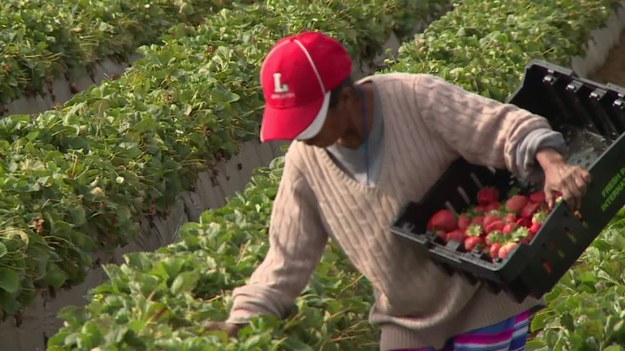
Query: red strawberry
(506, 249)
(494, 237)
(488, 219)
(463, 222)
(441, 234)
(493, 206)
(510, 218)
(456, 235)
(494, 226)
(534, 229)
(516, 203)
(472, 242)
(529, 209)
(479, 220)
(480, 208)
(487, 195)
(538, 197)
(509, 228)
(524, 222)
(443, 220)
(493, 250)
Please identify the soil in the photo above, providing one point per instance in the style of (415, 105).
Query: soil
(613, 71)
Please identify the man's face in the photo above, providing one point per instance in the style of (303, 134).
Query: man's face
(340, 124)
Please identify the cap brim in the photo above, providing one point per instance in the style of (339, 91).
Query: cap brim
(298, 123)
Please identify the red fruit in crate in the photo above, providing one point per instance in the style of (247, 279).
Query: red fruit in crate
(493, 250)
(441, 234)
(493, 206)
(494, 226)
(538, 197)
(535, 228)
(524, 222)
(509, 228)
(463, 222)
(487, 195)
(472, 242)
(479, 220)
(516, 203)
(488, 219)
(456, 235)
(510, 218)
(506, 249)
(529, 209)
(443, 220)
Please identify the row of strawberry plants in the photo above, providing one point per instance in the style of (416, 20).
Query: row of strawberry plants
(38, 47)
(78, 179)
(159, 300)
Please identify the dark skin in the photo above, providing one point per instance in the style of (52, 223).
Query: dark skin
(344, 126)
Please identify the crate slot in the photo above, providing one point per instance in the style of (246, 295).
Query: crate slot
(573, 90)
(595, 97)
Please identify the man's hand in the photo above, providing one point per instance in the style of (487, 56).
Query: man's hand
(231, 328)
(562, 178)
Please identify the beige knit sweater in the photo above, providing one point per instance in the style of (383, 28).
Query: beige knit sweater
(428, 124)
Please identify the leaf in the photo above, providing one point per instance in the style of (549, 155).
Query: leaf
(3, 250)
(55, 276)
(9, 280)
(184, 282)
(77, 215)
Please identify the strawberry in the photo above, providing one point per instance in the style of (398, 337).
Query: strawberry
(524, 222)
(506, 249)
(494, 226)
(516, 203)
(443, 220)
(509, 218)
(493, 206)
(529, 209)
(488, 219)
(472, 242)
(456, 235)
(509, 228)
(493, 250)
(463, 221)
(474, 230)
(537, 197)
(494, 237)
(479, 220)
(537, 222)
(487, 195)
(441, 234)
(520, 233)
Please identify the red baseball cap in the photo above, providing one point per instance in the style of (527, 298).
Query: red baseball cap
(297, 77)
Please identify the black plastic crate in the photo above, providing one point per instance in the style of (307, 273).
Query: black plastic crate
(592, 118)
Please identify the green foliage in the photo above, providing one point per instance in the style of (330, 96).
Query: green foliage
(79, 178)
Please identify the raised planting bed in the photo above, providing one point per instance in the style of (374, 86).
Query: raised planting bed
(38, 48)
(79, 179)
(223, 248)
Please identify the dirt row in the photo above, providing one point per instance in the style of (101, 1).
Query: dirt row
(613, 71)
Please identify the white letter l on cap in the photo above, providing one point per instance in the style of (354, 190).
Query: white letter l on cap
(278, 86)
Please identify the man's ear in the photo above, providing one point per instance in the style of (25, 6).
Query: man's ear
(348, 95)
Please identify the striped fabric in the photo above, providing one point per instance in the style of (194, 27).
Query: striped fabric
(508, 335)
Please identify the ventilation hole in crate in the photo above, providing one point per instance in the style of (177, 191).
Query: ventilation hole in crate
(450, 207)
(476, 180)
(553, 245)
(464, 195)
(568, 233)
(547, 266)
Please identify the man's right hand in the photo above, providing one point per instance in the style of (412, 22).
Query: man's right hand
(231, 328)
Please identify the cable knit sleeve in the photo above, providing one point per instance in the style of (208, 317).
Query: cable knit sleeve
(296, 243)
(482, 130)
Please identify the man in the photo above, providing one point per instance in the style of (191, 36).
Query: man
(360, 153)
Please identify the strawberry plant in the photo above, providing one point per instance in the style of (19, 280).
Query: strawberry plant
(37, 47)
(472, 46)
(78, 179)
